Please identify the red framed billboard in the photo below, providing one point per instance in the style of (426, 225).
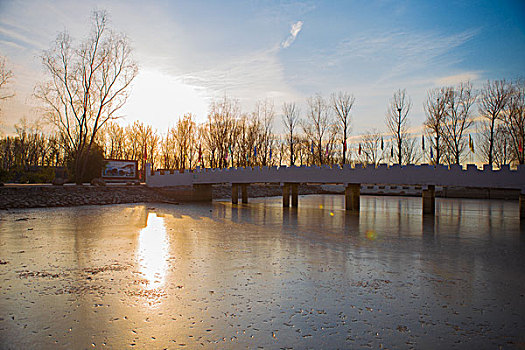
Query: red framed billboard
(116, 169)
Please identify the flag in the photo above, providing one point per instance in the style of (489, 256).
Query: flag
(382, 144)
(471, 143)
(344, 146)
(327, 150)
(270, 154)
(254, 151)
(230, 149)
(312, 147)
(359, 149)
(423, 141)
(431, 153)
(200, 154)
(520, 147)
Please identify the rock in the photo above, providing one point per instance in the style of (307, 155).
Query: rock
(58, 181)
(98, 182)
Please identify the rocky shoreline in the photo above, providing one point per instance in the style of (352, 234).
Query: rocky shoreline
(43, 196)
(12, 197)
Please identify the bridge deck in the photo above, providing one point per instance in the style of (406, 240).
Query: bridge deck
(422, 175)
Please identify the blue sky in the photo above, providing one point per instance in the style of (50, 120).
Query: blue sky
(190, 52)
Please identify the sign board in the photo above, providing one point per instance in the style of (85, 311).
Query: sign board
(120, 169)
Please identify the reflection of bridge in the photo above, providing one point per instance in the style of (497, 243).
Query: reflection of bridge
(424, 175)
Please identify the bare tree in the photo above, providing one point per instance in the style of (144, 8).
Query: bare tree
(502, 151)
(290, 120)
(31, 149)
(133, 149)
(167, 149)
(115, 141)
(246, 132)
(459, 104)
(371, 152)
(221, 127)
(514, 117)
(88, 85)
(185, 141)
(143, 145)
(396, 121)
(282, 151)
(411, 150)
(317, 127)
(493, 99)
(264, 113)
(435, 110)
(342, 104)
(5, 77)
(303, 150)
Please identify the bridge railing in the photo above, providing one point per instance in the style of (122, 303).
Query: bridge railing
(423, 174)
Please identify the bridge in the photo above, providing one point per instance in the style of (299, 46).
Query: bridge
(424, 175)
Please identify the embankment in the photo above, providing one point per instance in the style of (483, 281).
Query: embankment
(35, 196)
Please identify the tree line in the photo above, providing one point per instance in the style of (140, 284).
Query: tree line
(233, 138)
(88, 82)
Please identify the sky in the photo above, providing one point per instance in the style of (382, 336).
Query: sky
(192, 52)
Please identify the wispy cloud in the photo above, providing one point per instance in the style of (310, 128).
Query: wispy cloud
(296, 28)
(402, 51)
(250, 76)
(458, 78)
(285, 10)
(216, 53)
(17, 38)
(381, 60)
(11, 44)
(258, 74)
(376, 63)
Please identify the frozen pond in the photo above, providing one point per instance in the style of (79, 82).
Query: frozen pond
(219, 275)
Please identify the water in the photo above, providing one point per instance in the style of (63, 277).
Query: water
(247, 276)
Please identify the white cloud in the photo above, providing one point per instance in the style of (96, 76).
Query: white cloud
(458, 78)
(296, 28)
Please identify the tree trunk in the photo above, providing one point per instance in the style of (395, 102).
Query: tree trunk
(491, 141)
(344, 147)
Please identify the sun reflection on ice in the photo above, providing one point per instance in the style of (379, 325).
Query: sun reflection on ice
(153, 251)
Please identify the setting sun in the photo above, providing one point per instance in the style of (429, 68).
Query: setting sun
(160, 100)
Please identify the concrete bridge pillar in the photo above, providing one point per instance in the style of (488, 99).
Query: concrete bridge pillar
(295, 195)
(522, 206)
(244, 193)
(352, 194)
(286, 195)
(235, 193)
(429, 200)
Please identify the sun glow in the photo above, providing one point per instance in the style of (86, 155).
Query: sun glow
(153, 252)
(159, 100)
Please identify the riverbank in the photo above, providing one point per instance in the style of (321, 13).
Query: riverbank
(41, 196)
(35, 196)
